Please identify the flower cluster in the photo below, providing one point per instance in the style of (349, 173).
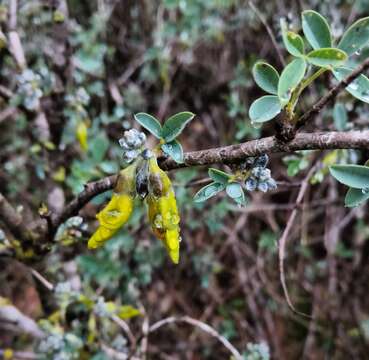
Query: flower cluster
(145, 179)
(132, 143)
(260, 176)
(29, 84)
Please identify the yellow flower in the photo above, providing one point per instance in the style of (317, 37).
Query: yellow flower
(119, 209)
(81, 134)
(162, 210)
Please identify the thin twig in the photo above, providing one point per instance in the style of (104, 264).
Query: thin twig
(333, 92)
(42, 280)
(269, 31)
(202, 326)
(124, 326)
(283, 239)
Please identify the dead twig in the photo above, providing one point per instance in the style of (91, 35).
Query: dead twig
(200, 325)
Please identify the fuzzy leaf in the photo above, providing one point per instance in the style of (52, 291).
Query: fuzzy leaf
(326, 57)
(266, 77)
(175, 125)
(291, 76)
(316, 29)
(219, 176)
(264, 109)
(148, 122)
(174, 150)
(234, 190)
(355, 176)
(208, 191)
(355, 197)
(292, 41)
(359, 88)
(355, 37)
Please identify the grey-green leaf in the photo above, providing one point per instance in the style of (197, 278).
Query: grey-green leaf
(359, 88)
(355, 176)
(355, 197)
(208, 191)
(355, 37)
(149, 123)
(292, 41)
(266, 76)
(175, 125)
(291, 76)
(264, 109)
(327, 57)
(234, 190)
(316, 29)
(219, 176)
(174, 150)
(340, 117)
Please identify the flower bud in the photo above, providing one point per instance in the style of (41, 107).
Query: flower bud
(262, 160)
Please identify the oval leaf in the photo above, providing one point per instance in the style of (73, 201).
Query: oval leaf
(291, 76)
(266, 77)
(208, 191)
(292, 41)
(326, 57)
(219, 176)
(355, 197)
(359, 88)
(265, 108)
(355, 37)
(174, 150)
(355, 176)
(234, 190)
(175, 125)
(148, 122)
(316, 29)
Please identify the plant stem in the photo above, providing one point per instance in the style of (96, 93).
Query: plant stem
(296, 94)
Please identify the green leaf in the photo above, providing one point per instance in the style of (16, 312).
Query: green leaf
(98, 146)
(355, 37)
(234, 190)
(359, 88)
(292, 41)
(174, 150)
(355, 197)
(316, 29)
(264, 108)
(149, 123)
(340, 116)
(219, 176)
(208, 191)
(291, 76)
(326, 57)
(266, 77)
(175, 125)
(356, 176)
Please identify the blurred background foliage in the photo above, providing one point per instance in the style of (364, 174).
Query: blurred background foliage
(91, 66)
